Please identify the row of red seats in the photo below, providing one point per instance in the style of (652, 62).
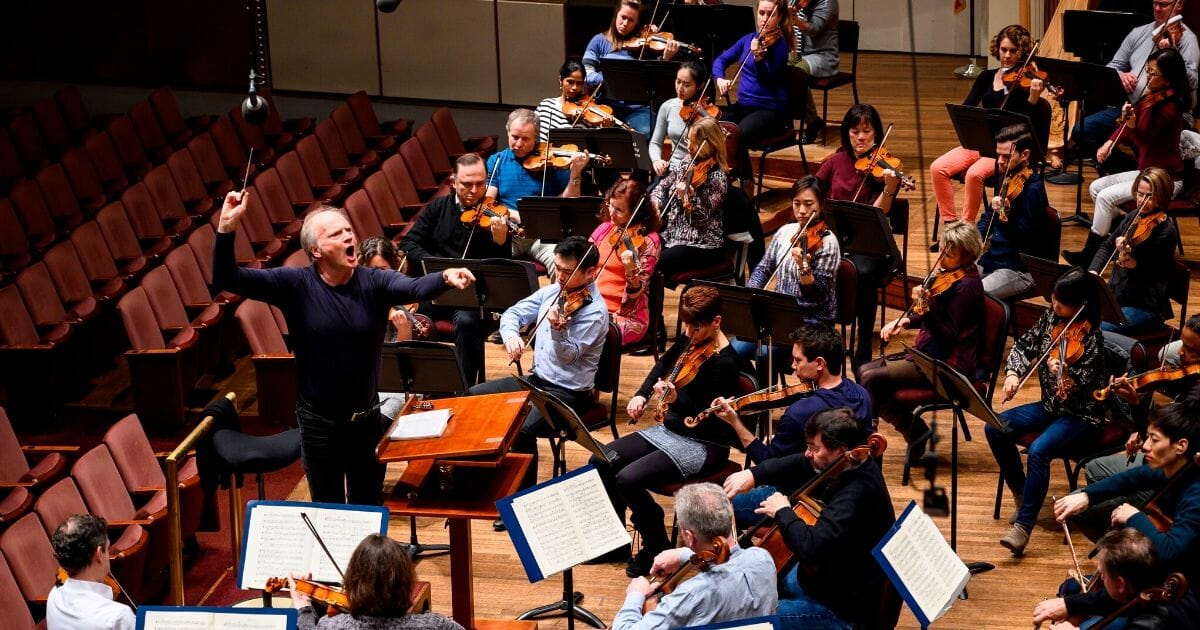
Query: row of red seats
(121, 480)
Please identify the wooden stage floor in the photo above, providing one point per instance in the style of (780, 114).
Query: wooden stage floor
(1003, 598)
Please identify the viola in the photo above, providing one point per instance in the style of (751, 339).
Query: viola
(935, 285)
(487, 210)
(658, 41)
(698, 109)
(592, 114)
(1153, 511)
(333, 598)
(767, 398)
(878, 160)
(700, 562)
(557, 157)
(1174, 587)
(766, 532)
(1014, 185)
(809, 240)
(422, 326)
(686, 367)
(1147, 379)
(796, 5)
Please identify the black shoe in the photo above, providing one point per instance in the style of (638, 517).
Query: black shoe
(1083, 258)
(620, 554)
(639, 565)
(935, 247)
(498, 525)
(813, 131)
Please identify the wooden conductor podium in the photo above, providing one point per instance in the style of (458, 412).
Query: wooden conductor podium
(459, 477)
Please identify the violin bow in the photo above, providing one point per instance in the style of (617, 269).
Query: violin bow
(1084, 584)
(874, 161)
(925, 284)
(742, 66)
(1155, 35)
(1046, 353)
(795, 242)
(471, 235)
(304, 515)
(1001, 185)
(691, 164)
(649, 23)
(1021, 72)
(124, 592)
(1116, 252)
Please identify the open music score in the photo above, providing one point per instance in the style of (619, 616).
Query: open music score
(277, 542)
(922, 566)
(202, 618)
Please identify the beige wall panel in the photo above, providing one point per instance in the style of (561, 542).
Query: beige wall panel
(323, 45)
(884, 25)
(440, 49)
(532, 48)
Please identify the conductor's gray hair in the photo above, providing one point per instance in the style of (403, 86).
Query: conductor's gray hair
(308, 236)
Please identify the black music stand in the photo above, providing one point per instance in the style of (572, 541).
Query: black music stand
(499, 283)
(1086, 83)
(960, 393)
(977, 128)
(627, 150)
(760, 315)
(1094, 36)
(863, 230)
(644, 82)
(712, 27)
(439, 373)
(1045, 273)
(566, 426)
(552, 219)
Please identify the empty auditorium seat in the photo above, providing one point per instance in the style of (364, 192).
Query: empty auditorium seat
(403, 188)
(122, 241)
(453, 141)
(53, 127)
(85, 181)
(98, 263)
(190, 185)
(14, 245)
(274, 198)
(130, 151)
(60, 197)
(144, 217)
(434, 152)
(316, 168)
(42, 302)
(178, 129)
(17, 613)
(274, 365)
(160, 370)
(208, 162)
(30, 558)
(368, 121)
(103, 153)
(235, 155)
(276, 124)
(300, 191)
(149, 131)
(419, 168)
(19, 475)
(256, 225)
(253, 136)
(11, 167)
(352, 137)
(160, 184)
(340, 159)
(30, 144)
(34, 214)
(387, 209)
(363, 218)
(73, 286)
(75, 112)
(26, 357)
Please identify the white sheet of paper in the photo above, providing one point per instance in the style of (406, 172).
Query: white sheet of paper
(278, 542)
(420, 425)
(569, 522)
(181, 620)
(926, 564)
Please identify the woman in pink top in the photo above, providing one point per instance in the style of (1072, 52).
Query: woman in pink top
(625, 275)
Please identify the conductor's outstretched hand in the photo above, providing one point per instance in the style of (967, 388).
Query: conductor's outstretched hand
(457, 277)
(231, 211)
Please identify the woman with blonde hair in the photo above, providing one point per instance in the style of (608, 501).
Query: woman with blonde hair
(690, 198)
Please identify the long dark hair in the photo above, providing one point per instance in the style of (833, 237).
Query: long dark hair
(1077, 288)
(1171, 65)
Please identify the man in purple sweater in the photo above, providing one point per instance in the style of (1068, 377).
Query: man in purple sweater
(337, 315)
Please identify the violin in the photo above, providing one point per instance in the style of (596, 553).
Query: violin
(1146, 379)
(811, 242)
(333, 598)
(936, 284)
(1023, 77)
(767, 39)
(766, 532)
(571, 301)
(1013, 187)
(1067, 350)
(422, 326)
(630, 240)
(658, 41)
(700, 562)
(686, 367)
(592, 114)
(878, 160)
(767, 398)
(487, 210)
(1144, 226)
(698, 109)
(1171, 31)
(60, 578)
(558, 157)
(695, 175)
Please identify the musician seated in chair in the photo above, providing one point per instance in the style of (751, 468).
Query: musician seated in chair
(378, 587)
(1127, 565)
(84, 601)
(439, 232)
(571, 323)
(740, 586)
(834, 581)
(1067, 414)
(1172, 442)
(950, 317)
(1014, 217)
(817, 358)
(700, 365)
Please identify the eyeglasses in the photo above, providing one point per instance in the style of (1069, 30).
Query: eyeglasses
(1152, 73)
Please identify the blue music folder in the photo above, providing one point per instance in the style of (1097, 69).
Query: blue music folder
(921, 565)
(169, 617)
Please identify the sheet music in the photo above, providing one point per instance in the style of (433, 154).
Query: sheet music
(278, 542)
(924, 563)
(568, 522)
(212, 620)
(423, 424)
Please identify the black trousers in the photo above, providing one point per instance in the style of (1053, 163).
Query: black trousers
(638, 466)
(535, 425)
(681, 258)
(468, 338)
(339, 455)
(756, 124)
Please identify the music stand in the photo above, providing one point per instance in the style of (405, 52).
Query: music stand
(757, 314)
(863, 230)
(1094, 36)
(712, 27)
(963, 398)
(977, 128)
(1045, 273)
(1086, 83)
(627, 150)
(499, 283)
(644, 82)
(552, 219)
(566, 426)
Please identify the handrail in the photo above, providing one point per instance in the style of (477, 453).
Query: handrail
(174, 528)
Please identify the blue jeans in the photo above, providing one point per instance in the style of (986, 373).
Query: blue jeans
(781, 356)
(1095, 130)
(1059, 435)
(640, 117)
(798, 610)
(745, 503)
(1139, 320)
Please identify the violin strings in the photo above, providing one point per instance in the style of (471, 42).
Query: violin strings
(874, 161)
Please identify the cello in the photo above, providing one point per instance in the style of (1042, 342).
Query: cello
(766, 532)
